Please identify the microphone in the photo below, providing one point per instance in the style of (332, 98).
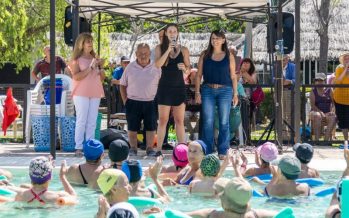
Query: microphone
(174, 42)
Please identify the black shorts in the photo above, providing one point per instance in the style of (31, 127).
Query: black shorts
(136, 111)
(342, 113)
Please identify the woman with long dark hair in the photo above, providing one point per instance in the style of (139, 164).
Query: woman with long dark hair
(174, 62)
(217, 66)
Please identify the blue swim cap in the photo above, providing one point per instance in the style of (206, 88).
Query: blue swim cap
(133, 170)
(203, 146)
(93, 149)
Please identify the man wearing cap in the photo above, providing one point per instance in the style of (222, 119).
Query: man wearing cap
(138, 88)
(340, 94)
(304, 153)
(283, 183)
(322, 108)
(88, 172)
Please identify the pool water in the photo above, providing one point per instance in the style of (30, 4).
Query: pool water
(88, 204)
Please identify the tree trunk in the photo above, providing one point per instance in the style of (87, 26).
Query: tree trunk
(324, 20)
(323, 63)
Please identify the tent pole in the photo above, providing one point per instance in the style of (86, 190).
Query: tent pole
(99, 34)
(278, 82)
(53, 133)
(297, 96)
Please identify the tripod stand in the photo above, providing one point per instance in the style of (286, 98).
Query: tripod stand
(270, 127)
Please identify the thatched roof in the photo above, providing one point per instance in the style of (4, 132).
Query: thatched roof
(121, 43)
(310, 41)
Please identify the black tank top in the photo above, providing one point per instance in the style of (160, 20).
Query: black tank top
(171, 76)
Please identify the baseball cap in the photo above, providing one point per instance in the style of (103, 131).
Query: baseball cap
(268, 151)
(118, 150)
(290, 167)
(210, 165)
(125, 58)
(304, 152)
(40, 170)
(93, 149)
(107, 179)
(180, 155)
(320, 76)
(123, 210)
(235, 194)
(133, 170)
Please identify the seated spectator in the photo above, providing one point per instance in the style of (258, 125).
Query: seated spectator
(87, 173)
(40, 172)
(264, 154)
(283, 183)
(334, 210)
(304, 153)
(322, 108)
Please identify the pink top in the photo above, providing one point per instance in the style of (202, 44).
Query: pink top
(90, 86)
(141, 82)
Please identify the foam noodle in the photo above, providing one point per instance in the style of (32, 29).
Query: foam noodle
(285, 213)
(175, 214)
(345, 198)
(312, 182)
(4, 191)
(257, 194)
(143, 201)
(261, 177)
(66, 201)
(2, 177)
(325, 192)
(4, 199)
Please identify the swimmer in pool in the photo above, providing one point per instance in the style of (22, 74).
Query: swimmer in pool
(235, 195)
(304, 153)
(133, 171)
(40, 171)
(283, 183)
(179, 158)
(87, 173)
(264, 154)
(196, 152)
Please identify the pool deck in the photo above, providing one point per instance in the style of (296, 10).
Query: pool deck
(17, 155)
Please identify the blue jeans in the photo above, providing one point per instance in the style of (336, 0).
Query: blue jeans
(211, 98)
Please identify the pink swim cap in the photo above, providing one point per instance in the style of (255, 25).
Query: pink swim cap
(268, 151)
(180, 155)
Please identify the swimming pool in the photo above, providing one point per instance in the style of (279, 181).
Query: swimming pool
(303, 207)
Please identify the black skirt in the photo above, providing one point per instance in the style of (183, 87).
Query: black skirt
(170, 96)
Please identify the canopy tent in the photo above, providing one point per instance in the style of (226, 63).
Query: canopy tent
(155, 11)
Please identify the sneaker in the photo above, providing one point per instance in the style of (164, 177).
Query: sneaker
(167, 146)
(158, 153)
(151, 153)
(132, 152)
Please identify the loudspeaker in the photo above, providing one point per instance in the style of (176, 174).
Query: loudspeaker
(85, 26)
(287, 31)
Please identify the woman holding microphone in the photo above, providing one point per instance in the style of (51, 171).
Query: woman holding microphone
(174, 62)
(88, 75)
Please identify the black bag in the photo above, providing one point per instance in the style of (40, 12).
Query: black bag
(111, 134)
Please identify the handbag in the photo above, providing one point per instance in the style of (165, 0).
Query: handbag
(257, 96)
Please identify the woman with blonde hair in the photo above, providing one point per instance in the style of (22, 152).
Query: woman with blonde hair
(88, 74)
(340, 95)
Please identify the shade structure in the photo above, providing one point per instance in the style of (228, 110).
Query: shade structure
(155, 9)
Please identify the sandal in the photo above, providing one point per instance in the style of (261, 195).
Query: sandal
(78, 153)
